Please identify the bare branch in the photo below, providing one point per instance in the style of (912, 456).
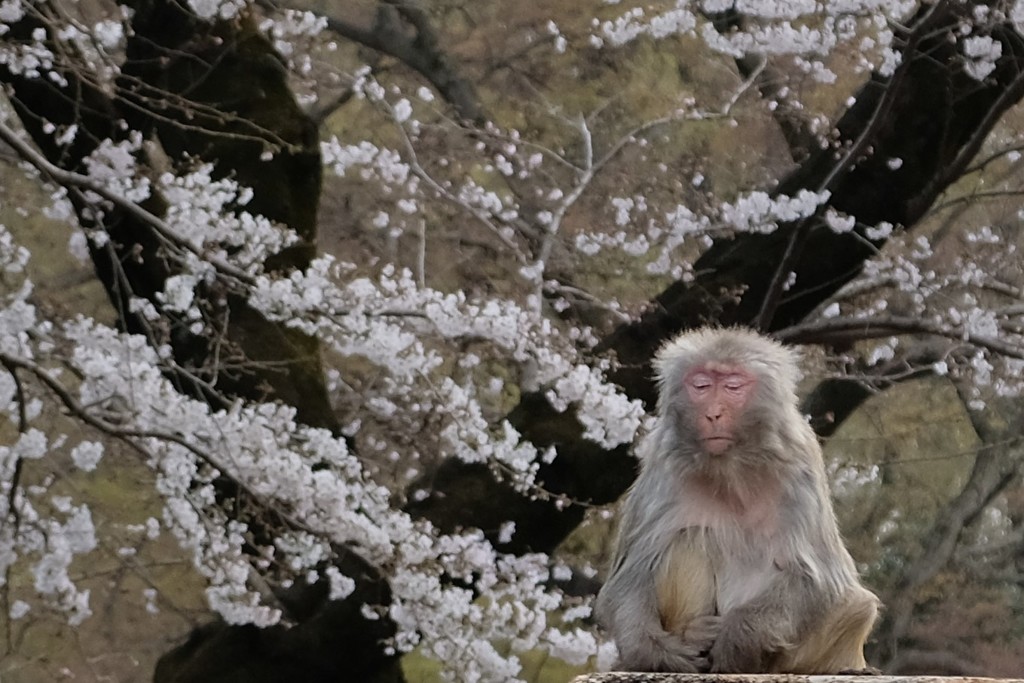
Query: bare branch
(848, 329)
(421, 51)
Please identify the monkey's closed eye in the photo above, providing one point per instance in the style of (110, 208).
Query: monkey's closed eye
(701, 381)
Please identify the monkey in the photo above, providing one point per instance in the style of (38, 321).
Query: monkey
(728, 556)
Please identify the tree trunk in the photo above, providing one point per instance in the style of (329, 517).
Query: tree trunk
(223, 97)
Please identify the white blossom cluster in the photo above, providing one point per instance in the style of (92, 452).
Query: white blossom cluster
(17, 316)
(1016, 15)
(636, 23)
(42, 530)
(406, 187)
(980, 55)
(514, 607)
(609, 418)
(957, 300)
(760, 212)
(208, 215)
(806, 29)
(307, 476)
(45, 531)
(205, 218)
(386, 170)
(212, 10)
(290, 31)
(31, 58)
(391, 321)
(756, 211)
(99, 45)
(113, 166)
(849, 480)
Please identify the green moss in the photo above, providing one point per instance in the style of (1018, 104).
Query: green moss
(913, 445)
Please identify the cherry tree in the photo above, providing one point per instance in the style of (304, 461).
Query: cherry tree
(373, 445)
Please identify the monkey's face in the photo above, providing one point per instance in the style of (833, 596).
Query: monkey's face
(719, 393)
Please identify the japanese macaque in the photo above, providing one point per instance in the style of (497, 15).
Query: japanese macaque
(729, 558)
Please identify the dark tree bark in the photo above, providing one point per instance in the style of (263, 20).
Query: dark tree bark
(403, 30)
(220, 93)
(217, 93)
(331, 641)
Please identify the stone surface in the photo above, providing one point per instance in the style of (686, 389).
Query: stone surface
(641, 677)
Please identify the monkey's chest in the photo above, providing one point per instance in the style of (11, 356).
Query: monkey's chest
(727, 516)
(704, 574)
(741, 579)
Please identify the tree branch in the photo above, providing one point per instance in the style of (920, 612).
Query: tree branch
(421, 52)
(71, 179)
(845, 330)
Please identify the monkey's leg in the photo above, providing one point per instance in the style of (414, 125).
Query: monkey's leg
(837, 644)
(685, 590)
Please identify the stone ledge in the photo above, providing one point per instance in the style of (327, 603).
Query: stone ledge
(637, 677)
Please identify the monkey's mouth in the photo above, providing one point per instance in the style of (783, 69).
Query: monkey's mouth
(717, 444)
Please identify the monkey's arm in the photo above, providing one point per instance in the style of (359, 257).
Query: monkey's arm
(754, 636)
(650, 635)
(812, 614)
(797, 628)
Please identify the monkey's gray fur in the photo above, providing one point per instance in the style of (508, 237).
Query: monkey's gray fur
(733, 562)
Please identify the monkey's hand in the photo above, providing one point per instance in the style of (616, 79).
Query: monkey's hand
(746, 643)
(673, 654)
(701, 632)
(660, 650)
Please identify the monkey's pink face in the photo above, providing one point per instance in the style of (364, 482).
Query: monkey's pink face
(719, 393)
